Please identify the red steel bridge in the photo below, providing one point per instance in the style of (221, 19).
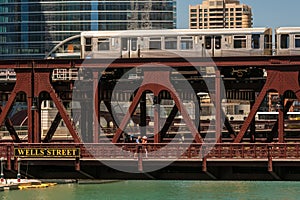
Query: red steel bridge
(213, 150)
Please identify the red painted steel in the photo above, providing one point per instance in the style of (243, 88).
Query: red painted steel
(33, 77)
(157, 81)
(278, 80)
(32, 83)
(276, 62)
(96, 118)
(226, 151)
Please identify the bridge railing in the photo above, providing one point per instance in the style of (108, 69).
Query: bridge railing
(168, 151)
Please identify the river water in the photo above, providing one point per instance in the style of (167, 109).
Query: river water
(155, 190)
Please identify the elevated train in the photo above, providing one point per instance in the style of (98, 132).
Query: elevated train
(176, 43)
(190, 43)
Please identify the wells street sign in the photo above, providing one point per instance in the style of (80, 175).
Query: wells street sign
(47, 152)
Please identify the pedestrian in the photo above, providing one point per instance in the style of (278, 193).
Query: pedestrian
(144, 141)
(138, 140)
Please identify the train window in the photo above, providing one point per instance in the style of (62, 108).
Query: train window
(207, 42)
(297, 41)
(239, 41)
(170, 42)
(268, 42)
(124, 44)
(255, 41)
(155, 43)
(103, 44)
(284, 41)
(133, 44)
(218, 40)
(88, 44)
(186, 43)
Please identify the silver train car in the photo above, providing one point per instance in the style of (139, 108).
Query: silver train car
(287, 41)
(176, 43)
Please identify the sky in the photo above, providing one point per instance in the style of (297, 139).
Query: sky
(266, 13)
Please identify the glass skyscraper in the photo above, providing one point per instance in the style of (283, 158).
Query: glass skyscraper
(31, 28)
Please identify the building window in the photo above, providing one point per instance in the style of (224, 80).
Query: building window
(103, 44)
(219, 3)
(193, 10)
(186, 43)
(155, 44)
(171, 43)
(297, 41)
(284, 41)
(255, 41)
(239, 42)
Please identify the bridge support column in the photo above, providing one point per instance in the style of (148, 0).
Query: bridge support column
(77, 164)
(218, 122)
(143, 115)
(270, 164)
(204, 151)
(96, 116)
(140, 157)
(8, 157)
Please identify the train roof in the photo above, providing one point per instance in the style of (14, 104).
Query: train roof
(174, 31)
(283, 30)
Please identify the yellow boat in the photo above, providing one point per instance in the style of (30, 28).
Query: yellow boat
(42, 185)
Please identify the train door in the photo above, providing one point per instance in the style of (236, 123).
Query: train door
(129, 48)
(218, 42)
(213, 45)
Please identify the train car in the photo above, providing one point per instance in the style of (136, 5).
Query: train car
(287, 41)
(176, 43)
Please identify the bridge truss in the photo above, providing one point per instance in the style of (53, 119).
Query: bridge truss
(40, 80)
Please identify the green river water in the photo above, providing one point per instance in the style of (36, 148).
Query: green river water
(153, 190)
